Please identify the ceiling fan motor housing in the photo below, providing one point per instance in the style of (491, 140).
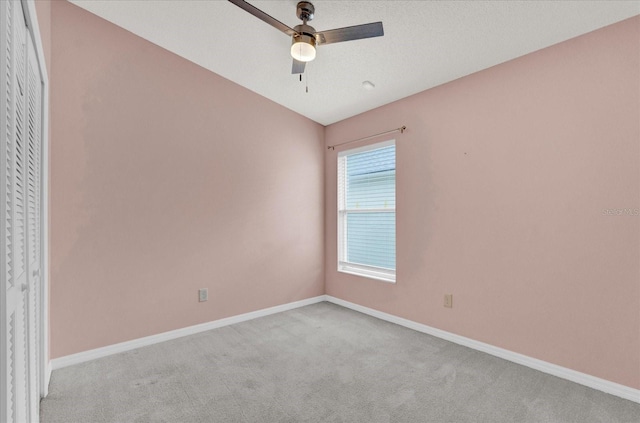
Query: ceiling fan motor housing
(304, 30)
(305, 11)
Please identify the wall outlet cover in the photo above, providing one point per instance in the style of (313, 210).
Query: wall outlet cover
(203, 294)
(448, 300)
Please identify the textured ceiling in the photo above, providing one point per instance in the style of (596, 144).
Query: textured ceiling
(426, 43)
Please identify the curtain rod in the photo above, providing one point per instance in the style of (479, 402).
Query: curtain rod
(400, 129)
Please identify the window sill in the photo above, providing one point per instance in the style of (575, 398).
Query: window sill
(368, 274)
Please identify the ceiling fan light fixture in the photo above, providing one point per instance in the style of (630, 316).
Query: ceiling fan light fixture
(303, 48)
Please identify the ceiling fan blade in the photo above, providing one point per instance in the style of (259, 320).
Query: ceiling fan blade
(263, 16)
(297, 67)
(350, 33)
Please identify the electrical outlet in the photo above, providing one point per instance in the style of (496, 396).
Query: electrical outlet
(448, 300)
(203, 294)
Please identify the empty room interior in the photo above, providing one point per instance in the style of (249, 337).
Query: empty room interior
(325, 211)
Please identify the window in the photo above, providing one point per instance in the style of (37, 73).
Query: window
(367, 211)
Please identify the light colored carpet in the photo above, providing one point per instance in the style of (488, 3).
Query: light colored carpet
(321, 363)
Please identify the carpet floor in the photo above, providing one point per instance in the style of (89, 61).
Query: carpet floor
(320, 363)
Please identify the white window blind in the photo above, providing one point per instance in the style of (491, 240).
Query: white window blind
(367, 211)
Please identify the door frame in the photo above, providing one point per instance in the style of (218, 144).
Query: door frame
(29, 8)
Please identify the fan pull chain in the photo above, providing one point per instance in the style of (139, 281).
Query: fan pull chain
(306, 81)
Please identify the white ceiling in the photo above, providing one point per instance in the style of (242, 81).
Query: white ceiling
(426, 43)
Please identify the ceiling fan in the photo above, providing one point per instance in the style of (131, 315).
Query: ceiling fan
(304, 38)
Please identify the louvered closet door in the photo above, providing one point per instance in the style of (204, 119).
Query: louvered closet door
(33, 196)
(16, 392)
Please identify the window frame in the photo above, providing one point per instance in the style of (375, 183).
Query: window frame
(372, 272)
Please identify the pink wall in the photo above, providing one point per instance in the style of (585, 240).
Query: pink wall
(166, 178)
(502, 180)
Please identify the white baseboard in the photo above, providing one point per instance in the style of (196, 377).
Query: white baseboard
(81, 357)
(603, 385)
